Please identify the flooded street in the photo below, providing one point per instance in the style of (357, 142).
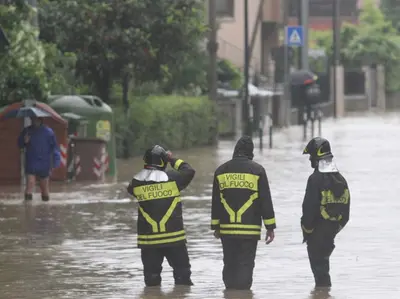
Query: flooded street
(82, 244)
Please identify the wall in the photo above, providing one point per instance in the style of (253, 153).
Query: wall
(231, 35)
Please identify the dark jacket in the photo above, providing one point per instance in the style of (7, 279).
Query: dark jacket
(241, 196)
(160, 222)
(327, 199)
(41, 153)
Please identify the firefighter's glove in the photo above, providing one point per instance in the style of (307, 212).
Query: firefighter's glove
(306, 236)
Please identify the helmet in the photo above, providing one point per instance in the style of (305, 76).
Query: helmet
(318, 148)
(155, 157)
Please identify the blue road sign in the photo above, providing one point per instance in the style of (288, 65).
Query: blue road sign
(294, 36)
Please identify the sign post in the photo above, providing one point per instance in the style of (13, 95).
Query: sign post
(293, 38)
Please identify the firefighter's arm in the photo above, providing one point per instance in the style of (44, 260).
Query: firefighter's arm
(129, 189)
(311, 206)
(267, 209)
(185, 172)
(345, 214)
(216, 205)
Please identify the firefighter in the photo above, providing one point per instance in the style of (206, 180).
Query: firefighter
(160, 224)
(240, 200)
(326, 208)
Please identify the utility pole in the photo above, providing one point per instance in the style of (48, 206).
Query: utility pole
(247, 128)
(286, 66)
(305, 23)
(300, 23)
(336, 50)
(212, 49)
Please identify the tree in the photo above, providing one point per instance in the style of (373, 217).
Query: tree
(121, 40)
(22, 66)
(373, 41)
(376, 42)
(391, 9)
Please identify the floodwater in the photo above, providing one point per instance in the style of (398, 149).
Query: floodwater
(82, 243)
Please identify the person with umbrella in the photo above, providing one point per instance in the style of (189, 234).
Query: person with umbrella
(41, 155)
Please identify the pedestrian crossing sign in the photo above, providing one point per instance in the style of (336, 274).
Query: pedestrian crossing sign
(294, 36)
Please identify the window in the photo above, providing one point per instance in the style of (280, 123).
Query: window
(225, 8)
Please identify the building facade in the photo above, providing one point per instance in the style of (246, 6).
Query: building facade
(264, 20)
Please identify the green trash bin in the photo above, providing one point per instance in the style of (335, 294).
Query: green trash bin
(99, 117)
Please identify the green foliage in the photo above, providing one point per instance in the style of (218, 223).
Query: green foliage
(60, 69)
(174, 121)
(190, 77)
(229, 75)
(144, 39)
(22, 66)
(373, 41)
(391, 9)
(376, 43)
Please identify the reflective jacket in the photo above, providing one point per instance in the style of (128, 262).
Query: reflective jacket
(160, 222)
(41, 152)
(241, 198)
(327, 198)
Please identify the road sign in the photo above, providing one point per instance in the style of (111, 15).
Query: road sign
(294, 36)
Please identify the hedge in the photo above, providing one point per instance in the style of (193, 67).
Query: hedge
(174, 122)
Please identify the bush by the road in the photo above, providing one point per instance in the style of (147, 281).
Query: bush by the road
(174, 122)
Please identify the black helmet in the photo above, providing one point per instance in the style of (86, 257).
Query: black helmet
(318, 148)
(155, 157)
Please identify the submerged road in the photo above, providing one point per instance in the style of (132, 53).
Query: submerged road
(82, 243)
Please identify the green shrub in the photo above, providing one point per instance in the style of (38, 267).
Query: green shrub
(174, 122)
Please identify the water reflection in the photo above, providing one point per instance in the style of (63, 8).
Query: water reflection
(321, 293)
(157, 292)
(233, 294)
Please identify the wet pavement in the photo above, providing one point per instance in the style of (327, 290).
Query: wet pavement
(82, 244)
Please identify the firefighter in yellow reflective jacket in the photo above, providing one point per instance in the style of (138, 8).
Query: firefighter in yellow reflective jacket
(326, 208)
(241, 199)
(160, 224)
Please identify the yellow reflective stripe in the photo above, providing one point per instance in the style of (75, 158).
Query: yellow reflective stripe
(244, 226)
(156, 191)
(158, 236)
(163, 241)
(308, 231)
(269, 221)
(328, 197)
(238, 181)
(239, 232)
(214, 221)
(178, 163)
(169, 213)
(228, 209)
(247, 205)
(326, 216)
(150, 220)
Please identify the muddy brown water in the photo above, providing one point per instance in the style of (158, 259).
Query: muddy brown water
(82, 243)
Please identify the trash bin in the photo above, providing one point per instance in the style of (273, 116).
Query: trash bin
(89, 158)
(100, 122)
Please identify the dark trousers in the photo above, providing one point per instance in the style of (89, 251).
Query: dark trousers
(320, 245)
(239, 256)
(178, 259)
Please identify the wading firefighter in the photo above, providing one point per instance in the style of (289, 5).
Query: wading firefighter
(160, 224)
(326, 208)
(241, 199)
